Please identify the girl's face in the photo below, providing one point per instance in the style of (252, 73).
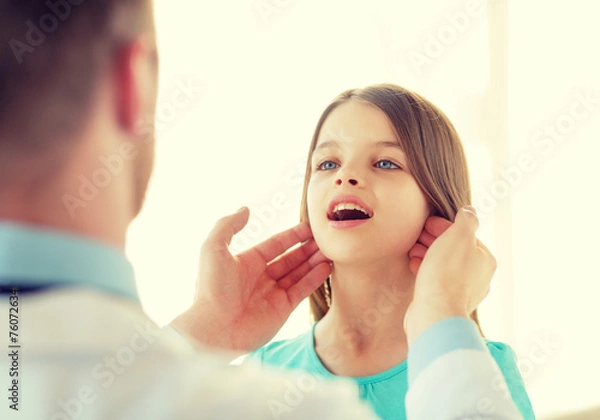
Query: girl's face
(363, 203)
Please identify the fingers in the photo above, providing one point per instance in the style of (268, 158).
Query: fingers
(466, 218)
(308, 284)
(293, 276)
(468, 222)
(418, 251)
(220, 236)
(426, 238)
(435, 226)
(492, 260)
(414, 264)
(483, 247)
(289, 261)
(278, 244)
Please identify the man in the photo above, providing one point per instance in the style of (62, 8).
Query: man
(76, 77)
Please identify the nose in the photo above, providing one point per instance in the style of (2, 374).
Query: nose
(350, 181)
(350, 174)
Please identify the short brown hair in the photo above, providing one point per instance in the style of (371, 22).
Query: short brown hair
(432, 146)
(52, 52)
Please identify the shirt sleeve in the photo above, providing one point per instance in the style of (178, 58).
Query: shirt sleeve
(452, 375)
(507, 361)
(255, 357)
(174, 335)
(204, 388)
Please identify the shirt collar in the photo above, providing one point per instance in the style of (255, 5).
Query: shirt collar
(41, 257)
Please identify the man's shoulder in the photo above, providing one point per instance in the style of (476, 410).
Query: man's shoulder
(92, 353)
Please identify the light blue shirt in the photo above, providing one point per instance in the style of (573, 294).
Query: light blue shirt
(38, 258)
(386, 391)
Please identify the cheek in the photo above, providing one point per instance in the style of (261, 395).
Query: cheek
(314, 202)
(316, 206)
(310, 204)
(407, 219)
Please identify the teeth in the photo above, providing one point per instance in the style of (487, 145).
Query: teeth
(350, 206)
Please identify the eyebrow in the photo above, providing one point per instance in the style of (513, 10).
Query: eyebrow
(379, 144)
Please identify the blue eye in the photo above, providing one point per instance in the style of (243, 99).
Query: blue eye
(386, 164)
(327, 165)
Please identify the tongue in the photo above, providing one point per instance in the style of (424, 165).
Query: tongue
(350, 215)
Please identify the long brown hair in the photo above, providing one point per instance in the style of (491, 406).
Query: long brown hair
(433, 149)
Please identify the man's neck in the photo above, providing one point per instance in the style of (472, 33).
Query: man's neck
(72, 203)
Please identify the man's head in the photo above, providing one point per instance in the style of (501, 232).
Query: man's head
(76, 78)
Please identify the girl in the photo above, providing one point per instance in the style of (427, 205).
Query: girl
(382, 160)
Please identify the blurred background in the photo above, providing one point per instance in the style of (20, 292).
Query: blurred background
(243, 83)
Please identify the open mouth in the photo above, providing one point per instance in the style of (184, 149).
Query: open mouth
(343, 212)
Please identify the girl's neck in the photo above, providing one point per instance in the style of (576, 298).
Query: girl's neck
(362, 333)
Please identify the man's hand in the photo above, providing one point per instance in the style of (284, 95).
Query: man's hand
(453, 268)
(242, 301)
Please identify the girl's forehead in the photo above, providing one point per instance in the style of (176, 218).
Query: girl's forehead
(354, 123)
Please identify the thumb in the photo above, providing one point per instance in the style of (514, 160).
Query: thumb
(467, 219)
(221, 235)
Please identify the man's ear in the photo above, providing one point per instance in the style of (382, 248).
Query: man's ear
(129, 78)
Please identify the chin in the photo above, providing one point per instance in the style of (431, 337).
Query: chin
(352, 252)
(347, 254)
